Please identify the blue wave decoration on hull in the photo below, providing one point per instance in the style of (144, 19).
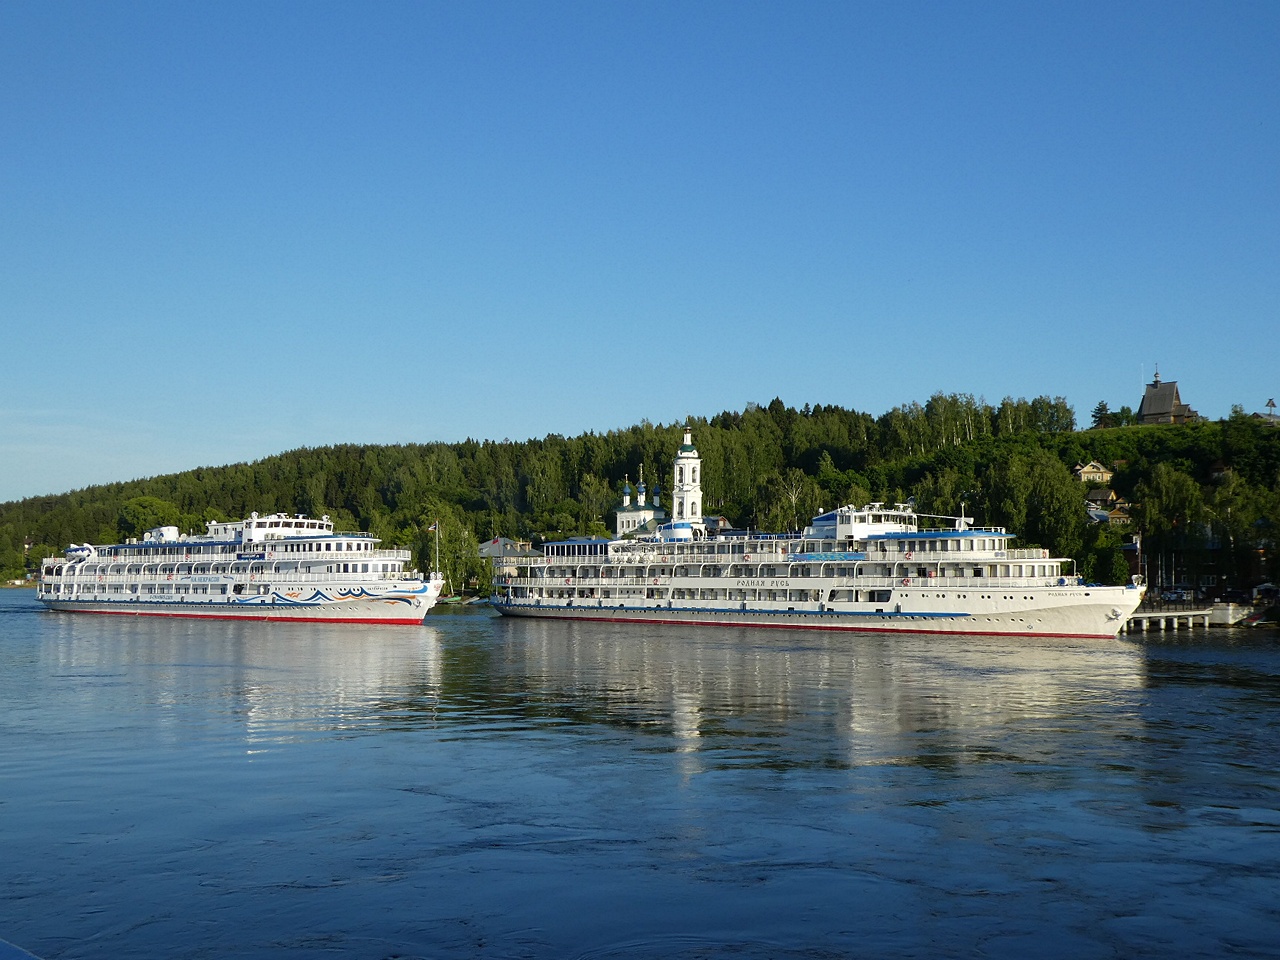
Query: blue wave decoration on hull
(319, 598)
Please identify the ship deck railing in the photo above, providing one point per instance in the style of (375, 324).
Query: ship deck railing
(980, 584)
(238, 576)
(766, 556)
(277, 556)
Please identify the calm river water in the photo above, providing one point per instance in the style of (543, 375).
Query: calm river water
(480, 787)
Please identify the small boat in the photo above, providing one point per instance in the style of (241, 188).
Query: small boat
(1267, 617)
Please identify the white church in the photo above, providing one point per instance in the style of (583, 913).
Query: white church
(686, 521)
(640, 516)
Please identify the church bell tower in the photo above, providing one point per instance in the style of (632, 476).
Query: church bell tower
(686, 492)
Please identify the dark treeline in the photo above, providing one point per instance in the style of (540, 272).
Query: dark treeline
(772, 467)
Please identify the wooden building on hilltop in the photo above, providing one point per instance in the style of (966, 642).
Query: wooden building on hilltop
(1162, 404)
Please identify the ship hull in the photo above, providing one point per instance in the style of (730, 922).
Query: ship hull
(406, 611)
(1094, 620)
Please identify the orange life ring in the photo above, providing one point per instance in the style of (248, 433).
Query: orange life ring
(568, 579)
(906, 581)
(746, 556)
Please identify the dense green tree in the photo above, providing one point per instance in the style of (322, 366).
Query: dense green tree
(141, 514)
(1169, 511)
(450, 548)
(12, 566)
(945, 491)
(1103, 560)
(1235, 513)
(1196, 487)
(1056, 515)
(790, 499)
(597, 500)
(1169, 502)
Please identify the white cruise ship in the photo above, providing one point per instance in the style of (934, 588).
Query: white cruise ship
(870, 568)
(279, 567)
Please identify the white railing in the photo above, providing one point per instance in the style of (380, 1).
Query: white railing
(221, 579)
(775, 559)
(781, 571)
(277, 556)
(970, 584)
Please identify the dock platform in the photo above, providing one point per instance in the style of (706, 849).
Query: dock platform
(1148, 618)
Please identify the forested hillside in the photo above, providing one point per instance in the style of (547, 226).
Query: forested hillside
(1203, 485)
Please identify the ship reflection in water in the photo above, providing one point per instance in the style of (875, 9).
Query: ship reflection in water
(744, 698)
(485, 787)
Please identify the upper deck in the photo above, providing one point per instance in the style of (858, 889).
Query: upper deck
(278, 532)
(850, 533)
(277, 526)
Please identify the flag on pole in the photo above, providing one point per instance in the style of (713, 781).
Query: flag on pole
(434, 526)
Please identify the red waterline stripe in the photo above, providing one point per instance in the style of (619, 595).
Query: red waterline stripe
(398, 621)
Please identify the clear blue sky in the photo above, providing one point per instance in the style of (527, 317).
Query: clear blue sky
(230, 229)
